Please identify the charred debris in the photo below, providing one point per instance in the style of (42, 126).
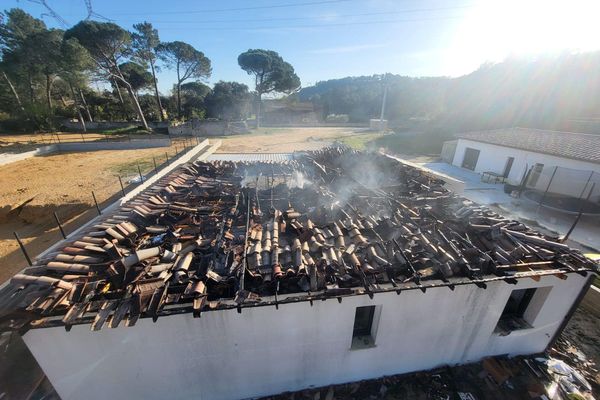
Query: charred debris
(327, 224)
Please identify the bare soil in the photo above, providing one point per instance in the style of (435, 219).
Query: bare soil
(31, 190)
(284, 140)
(29, 141)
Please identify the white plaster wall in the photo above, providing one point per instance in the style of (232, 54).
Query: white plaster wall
(493, 158)
(226, 355)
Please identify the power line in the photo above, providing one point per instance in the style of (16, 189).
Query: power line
(390, 21)
(51, 13)
(91, 12)
(406, 11)
(285, 5)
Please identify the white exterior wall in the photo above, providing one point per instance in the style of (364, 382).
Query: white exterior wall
(262, 351)
(493, 158)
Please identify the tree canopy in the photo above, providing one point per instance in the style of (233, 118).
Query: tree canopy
(186, 61)
(108, 44)
(145, 50)
(271, 73)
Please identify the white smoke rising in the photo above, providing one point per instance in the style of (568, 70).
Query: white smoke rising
(298, 180)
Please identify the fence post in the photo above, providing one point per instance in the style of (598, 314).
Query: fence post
(154, 162)
(581, 209)
(547, 187)
(22, 246)
(140, 172)
(96, 203)
(121, 183)
(167, 157)
(62, 231)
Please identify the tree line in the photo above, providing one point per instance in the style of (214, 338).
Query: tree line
(547, 92)
(47, 74)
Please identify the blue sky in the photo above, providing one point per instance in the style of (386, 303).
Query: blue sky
(326, 39)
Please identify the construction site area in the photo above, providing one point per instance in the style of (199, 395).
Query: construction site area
(300, 241)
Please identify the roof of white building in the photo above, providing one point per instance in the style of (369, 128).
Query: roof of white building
(578, 146)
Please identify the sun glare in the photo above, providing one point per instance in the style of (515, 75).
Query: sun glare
(494, 30)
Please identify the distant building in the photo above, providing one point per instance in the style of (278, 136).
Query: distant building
(278, 112)
(376, 124)
(570, 160)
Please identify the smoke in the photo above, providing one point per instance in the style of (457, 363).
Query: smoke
(298, 180)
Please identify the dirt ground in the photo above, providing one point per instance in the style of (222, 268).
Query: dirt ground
(26, 142)
(283, 140)
(31, 190)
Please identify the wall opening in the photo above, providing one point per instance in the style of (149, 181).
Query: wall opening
(535, 174)
(508, 166)
(366, 320)
(521, 309)
(470, 159)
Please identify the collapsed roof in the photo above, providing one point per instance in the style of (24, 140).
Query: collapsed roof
(225, 234)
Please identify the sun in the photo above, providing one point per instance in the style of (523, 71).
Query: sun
(494, 30)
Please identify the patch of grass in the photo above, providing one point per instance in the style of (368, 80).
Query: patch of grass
(121, 131)
(361, 141)
(130, 168)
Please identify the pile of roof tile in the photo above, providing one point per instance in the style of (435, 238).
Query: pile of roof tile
(236, 234)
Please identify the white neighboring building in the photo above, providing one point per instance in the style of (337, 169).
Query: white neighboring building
(512, 152)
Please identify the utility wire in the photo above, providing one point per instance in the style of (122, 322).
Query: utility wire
(51, 13)
(377, 22)
(414, 10)
(284, 5)
(91, 12)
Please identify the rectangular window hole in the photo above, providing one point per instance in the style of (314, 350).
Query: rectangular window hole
(365, 327)
(517, 314)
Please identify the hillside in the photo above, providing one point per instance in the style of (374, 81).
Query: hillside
(553, 92)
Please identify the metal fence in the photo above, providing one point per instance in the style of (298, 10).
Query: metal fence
(126, 184)
(566, 189)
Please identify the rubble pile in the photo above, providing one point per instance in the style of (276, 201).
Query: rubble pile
(494, 378)
(215, 235)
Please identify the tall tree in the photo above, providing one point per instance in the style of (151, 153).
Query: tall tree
(187, 61)
(145, 43)
(271, 74)
(108, 45)
(44, 50)
(15, 30)
(75, 63)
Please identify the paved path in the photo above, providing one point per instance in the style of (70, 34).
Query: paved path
(587, 232)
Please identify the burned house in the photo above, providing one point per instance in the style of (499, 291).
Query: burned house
(237, 279)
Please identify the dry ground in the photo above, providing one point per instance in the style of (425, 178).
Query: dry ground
(25, 142)
(283, 140)
(30, 190)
